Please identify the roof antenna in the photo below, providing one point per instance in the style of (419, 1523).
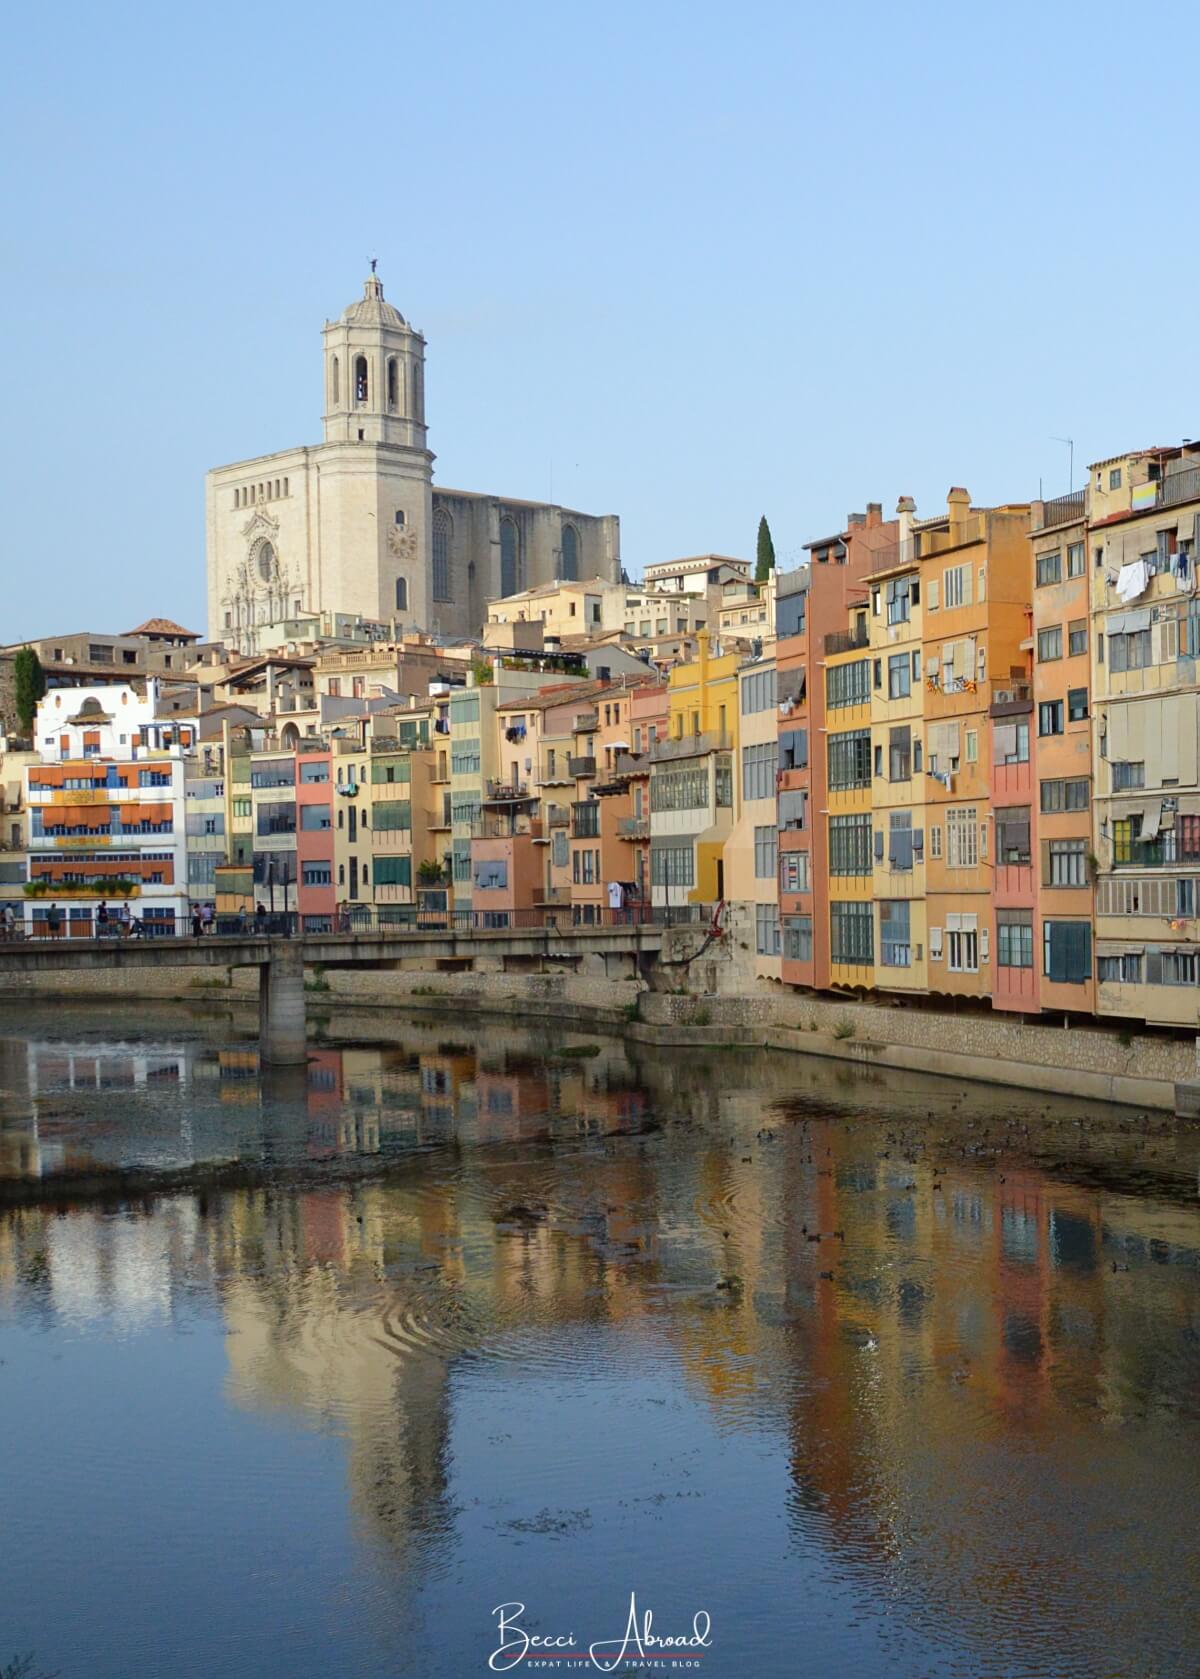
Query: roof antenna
(374, 260)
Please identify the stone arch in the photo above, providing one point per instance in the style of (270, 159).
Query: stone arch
(569, 559)
(443, 537)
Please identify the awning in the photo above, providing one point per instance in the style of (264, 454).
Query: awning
(1128, 623)
(1150, 820)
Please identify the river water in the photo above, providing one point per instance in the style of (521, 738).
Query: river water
(307, 1374)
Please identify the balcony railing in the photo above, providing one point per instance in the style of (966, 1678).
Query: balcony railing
(551, 894)
(586, 721)
(688, 746)
(507, 792)
(634, 827)
(581, 766)
(559, 817)
(1063, 510)
(1150, 854)
(845, 641)
(510, 825)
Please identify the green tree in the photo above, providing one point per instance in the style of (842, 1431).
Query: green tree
(30, 680)
(766, 552)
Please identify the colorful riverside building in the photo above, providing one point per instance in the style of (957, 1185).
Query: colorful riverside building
(1144, 535)
(824, 598)
(972, 567)
(107, 808)
(752, 850)
(898, 777)
(404, 801)
(691, 780)
(1043, 782)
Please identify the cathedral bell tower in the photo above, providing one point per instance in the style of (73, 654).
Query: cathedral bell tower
(374, 374)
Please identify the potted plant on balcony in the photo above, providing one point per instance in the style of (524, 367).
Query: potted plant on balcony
(430, 873)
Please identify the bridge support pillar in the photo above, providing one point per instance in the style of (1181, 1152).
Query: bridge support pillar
(281, 1036)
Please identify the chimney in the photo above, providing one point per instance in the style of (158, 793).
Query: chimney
(958, 505)
(874, 514)
(906, 508)
(855, 519)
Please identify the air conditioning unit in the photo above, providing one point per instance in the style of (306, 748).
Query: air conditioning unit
(1003, 696)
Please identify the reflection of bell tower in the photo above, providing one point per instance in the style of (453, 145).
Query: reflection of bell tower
(374, 374)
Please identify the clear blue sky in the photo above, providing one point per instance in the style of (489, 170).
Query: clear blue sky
(684, 262)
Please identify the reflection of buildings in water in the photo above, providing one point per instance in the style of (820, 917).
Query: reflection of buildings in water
(50, 1122)
(313, 1332)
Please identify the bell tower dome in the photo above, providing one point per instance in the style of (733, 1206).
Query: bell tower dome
(374, 374)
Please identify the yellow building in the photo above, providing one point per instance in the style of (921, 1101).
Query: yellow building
(691, 781)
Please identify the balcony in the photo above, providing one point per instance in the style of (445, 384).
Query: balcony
(846, 641)
(556, 777)
(579, 767)
(506, 825)
(634, 828)
(507, 792)
(586, 721)
(688, 746)
(1063, 510)
(551, 894)
(586, 820)
(559, 817)
(1178, 487)
(1152, 854)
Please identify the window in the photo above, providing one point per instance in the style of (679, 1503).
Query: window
(491, 874)
(443, 531)
(972, 746)
(766, 929)
(336, 382)
(794, 872)
(672, 865)
(902, 594)
(360, 379)
(1067, 862)
(935, 841)
(1129, 652)
(681, 789)
(1012, 835)
(793, 749)
(1050, 717)
(1114, 478)
(1120, 970)
(392, 383)
(900, 754)
(1077, 636)
(1049, 569)
(850, 844)
(899, 676)
(569, 569)
(1175, 967)
(316, 874)
(243, 806)
(1011, 743)
(1185, 898)
(1049, 644)
(850, 759)
(1065, 795)
(902, 840)
(894, 939)
(962, 838)
(314, 817)
(392, 871)
(956, 586)
(962, 945)
(1067, 951)
(1076, 559)
(797, 938)
(766, 847)
(792, 808)
(758, 692)
(510, 558)
(1127, 774)
(1187, 837)
(401, 595)
(1125, 831)
(848, 684)
(1077, 704)
(1014, 938)
(852, 936)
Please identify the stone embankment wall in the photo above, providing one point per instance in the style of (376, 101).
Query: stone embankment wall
(1082, 1060)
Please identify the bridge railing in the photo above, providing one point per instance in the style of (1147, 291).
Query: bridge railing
(400, 920)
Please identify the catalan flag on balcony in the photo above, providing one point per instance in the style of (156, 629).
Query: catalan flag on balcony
(1144, 495)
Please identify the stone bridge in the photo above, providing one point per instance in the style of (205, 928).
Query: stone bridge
(281, 961)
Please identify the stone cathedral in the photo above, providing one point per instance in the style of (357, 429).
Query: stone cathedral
(355, 524)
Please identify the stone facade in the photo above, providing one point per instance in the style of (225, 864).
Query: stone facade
(354, 524)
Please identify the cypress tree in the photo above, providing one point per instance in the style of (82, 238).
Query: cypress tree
(766, 552)
(30, 682)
